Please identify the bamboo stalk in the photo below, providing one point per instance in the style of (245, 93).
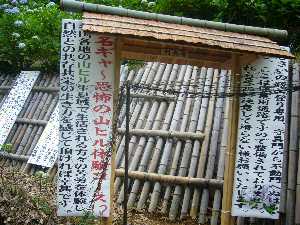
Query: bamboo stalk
(226, 218)
(293, 156)
(169, 179)
(187, 70)
(220, 171)
(51, 89)
(296, 76)
(204, 148)
(29, 112)
(165, 126)
(155, 97)
(29, 133)
(136, 107)
(213, 146)
(149, 145)
(191, 128)
(139, 124)
(185, 156)
(165, 134)
(142, 141)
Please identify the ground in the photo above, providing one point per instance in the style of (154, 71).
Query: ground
(28, 199)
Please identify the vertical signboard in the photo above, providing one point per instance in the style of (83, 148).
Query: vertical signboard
(15, 101)
(85, 131)
(45, 151)
(260, 144)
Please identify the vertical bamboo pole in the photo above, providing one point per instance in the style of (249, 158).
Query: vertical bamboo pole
(226, 218)
(118, 47)
(293, 101)
(127, 139)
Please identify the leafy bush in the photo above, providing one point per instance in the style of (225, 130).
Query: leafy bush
(30, 29)
(30, 34)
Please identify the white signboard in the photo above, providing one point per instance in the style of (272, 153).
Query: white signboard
(45, 151)
(15, 101)
(260, 142)
(85, 131)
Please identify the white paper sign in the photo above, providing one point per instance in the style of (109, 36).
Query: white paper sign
(86, 106)
(260, 142)
(45, 151)
(15, 101)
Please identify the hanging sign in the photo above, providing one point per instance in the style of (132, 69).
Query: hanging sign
(45, 151)
(85, 126)
(260, 144)
(15, 101)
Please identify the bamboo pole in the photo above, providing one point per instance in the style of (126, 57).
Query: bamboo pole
(292, 154)
(139, 124)
(169, 142)
(226, 218)
(185, 156)
(31, 130)
(29, 113)
(204, 146)
(127, 138)
(144, 176)
(136, 106)
(142, 141)
(191, 128)
(165, 134)
(5, 88)
(157, 151)
(170, 179)
(296, 76)
(168, 80)
(168, 75)
(220, 171)
(213, 146)
(155, 97)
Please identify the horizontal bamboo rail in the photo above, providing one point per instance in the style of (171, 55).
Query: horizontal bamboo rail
(4, 89)
(145, 176)
(154, 97)
(169, 179)
(6, 155)
(165, 134)
(35, 88)
(32, 121)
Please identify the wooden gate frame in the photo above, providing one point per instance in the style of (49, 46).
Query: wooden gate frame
(137, 45)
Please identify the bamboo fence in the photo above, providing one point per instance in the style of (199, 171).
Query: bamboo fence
(177, 145)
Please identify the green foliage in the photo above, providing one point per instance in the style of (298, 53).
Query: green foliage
(30, 29)
(42, 204)
(30, 34)
(135, 64)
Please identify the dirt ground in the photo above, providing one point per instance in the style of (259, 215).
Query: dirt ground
(144, 218)
(31, 200)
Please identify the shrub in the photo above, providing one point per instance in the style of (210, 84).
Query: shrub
(30, 34)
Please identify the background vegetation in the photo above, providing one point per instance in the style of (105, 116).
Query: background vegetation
(30, 29)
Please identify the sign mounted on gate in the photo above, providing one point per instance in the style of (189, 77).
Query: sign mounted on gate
(260, 143)
(85, 125)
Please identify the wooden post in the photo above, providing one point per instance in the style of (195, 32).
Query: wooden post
(226, 218)
(118, 46)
